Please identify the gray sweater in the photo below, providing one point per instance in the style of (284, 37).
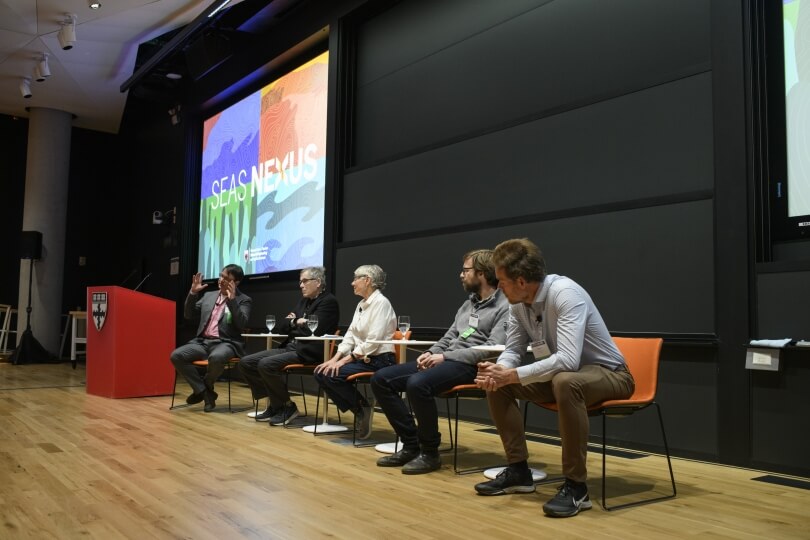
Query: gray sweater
(493, 316)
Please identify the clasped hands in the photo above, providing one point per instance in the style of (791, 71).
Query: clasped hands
(492, 376)
(428, 360)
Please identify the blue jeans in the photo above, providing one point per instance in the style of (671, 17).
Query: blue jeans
(421, 387)
(343, 393)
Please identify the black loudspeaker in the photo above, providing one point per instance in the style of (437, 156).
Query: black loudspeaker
(31, 245)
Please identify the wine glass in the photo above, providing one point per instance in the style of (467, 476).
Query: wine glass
(312, 323)
(404, 323)
(270, 322)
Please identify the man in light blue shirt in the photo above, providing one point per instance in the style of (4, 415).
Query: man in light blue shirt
(575, 365)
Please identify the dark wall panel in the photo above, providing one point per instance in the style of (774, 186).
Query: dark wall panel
(634, 264)
(648, 144)
(779, 417)
(783, 301)
(554, 56)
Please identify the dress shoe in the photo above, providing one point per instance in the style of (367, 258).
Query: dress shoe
(398, 459)
(423, 463)
(195, 398)
(210, 400)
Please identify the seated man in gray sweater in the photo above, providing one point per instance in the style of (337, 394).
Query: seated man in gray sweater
(481, 320)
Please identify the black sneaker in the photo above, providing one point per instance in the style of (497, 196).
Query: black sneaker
(285, 415)
(398, 459)
(508, 481)
(254, 414)
(265, 415)
(571, 497)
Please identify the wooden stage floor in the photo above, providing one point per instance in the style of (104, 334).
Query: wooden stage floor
(80, 466)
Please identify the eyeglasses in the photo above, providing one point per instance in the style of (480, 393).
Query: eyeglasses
(465, 269)
(304, 281)
(359, 277)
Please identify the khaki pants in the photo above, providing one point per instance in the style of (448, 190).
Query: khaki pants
(573, 391)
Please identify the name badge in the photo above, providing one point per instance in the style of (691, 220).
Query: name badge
(473, 322)
(540, 350)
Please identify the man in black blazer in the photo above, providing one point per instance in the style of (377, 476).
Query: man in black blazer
(262, 370)
(223, 316)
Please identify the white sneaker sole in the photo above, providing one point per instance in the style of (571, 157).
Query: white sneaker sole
(585, 505)
(292, 417)
(509, 490)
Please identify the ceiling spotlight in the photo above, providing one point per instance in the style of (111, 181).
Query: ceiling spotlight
(42, 71)
(25, 87)
(94, 5)
(67, 35)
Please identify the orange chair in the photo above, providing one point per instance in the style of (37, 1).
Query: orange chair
(365, 377)
(642, 357)
(203, 364)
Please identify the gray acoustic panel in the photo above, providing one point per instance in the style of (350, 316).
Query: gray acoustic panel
(783, 305)
(557, 55)
(649, 144)
(648, 270)
(387, 45)
(779, 413)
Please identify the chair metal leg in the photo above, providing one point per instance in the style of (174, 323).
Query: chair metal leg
(449, 425)
(303, 394)
(454, 443)
(354, 424)
(174, 391)
(604, 472)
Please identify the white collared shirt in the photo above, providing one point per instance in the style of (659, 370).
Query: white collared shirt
(374, 318)
(563, 315)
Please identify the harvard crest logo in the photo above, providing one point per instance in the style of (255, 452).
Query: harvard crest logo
(99, 307)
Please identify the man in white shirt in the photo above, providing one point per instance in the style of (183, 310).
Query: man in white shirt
(575, 365)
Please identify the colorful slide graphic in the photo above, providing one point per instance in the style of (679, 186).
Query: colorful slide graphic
(264, 176)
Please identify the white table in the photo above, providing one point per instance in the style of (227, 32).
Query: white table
(403, 344)
(270, 337)
(324, 426)
(537, 474)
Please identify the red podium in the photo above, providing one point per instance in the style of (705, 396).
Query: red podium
(130, 336)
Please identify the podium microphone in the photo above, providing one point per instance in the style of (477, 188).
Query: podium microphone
(138, 286)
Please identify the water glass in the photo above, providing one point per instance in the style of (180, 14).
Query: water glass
(404, 323)
(312, 323)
